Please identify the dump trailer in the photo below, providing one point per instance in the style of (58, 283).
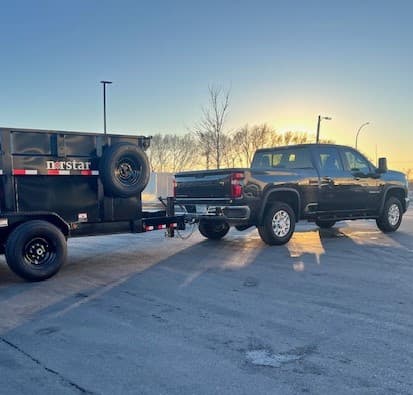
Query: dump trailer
(58, 184)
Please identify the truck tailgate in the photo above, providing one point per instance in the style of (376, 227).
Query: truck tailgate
(206, 184)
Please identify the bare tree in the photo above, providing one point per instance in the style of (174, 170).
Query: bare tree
(409, 174)
(211, 128)
(158, 153)
(172, 153)
(205, 145)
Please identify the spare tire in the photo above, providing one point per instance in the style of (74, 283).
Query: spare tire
(124, 170)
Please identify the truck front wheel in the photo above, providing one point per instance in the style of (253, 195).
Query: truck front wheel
(213, 230)
(391, 217)
(278, 224)
(36, 250)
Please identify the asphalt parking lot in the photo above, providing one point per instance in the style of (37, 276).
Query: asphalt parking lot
(331, 312)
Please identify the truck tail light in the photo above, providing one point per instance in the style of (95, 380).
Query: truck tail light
(236, 184)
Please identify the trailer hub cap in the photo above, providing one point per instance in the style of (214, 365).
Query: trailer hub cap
(394, 214)
(127, 171)
(281, 223)
(38, 251)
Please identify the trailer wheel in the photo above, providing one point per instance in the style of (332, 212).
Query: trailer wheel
(36, 250)
(213, 230)
(124, 170)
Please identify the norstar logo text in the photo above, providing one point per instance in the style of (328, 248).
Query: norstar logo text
(69, 165)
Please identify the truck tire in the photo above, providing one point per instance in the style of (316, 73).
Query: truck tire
(391, 217)
(36, 250)
(278, 224)
(323, 224)
(213, 230)
(124, 170)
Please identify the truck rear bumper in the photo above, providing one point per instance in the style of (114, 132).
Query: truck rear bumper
(234, 215)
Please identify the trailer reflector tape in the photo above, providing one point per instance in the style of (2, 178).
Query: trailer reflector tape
(89, 172)
(23, 172)
(58, 172)
(149, 228)
(53, 172)
(1, 172)
(174, 225)
(4, 222)
(162, 226)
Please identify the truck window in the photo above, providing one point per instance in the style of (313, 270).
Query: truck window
(328, 159)
(291, 158)
(355, 162)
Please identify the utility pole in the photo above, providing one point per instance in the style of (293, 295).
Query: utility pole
(104, 104)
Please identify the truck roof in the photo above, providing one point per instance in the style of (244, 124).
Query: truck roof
(302, 146)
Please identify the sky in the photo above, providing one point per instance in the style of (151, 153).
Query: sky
(285, 62)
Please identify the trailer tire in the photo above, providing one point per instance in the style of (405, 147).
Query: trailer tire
(124, 170)
(213, 230)
(36, 250)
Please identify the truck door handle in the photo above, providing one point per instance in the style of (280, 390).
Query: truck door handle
(327, 180)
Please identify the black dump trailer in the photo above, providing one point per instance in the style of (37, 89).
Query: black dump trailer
(56, 185)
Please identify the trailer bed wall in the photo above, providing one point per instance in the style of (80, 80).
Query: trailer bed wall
(33, 177)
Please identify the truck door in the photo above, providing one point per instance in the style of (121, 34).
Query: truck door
(340, 189)
(362, 179)
(332, 191)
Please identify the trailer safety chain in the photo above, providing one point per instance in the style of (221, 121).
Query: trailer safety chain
(188, 221)
(192, 222)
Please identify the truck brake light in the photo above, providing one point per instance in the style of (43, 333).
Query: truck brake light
(236, 185)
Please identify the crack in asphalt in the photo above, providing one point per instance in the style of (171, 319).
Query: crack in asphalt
(44, 367)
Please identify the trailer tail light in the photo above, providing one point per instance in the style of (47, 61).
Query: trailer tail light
(236, 184)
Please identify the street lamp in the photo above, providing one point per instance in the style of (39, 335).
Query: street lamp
(361, 127)
(104, 104)
(318, 126)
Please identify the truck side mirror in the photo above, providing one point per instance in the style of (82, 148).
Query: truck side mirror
(382, 165)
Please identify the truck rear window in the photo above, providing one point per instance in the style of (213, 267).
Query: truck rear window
(294, 158)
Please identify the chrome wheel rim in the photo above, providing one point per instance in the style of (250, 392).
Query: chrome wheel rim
(281, 223)
(393, 214)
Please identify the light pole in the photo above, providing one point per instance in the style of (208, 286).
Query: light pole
(104, 104)
(318, 126)
(361, 127)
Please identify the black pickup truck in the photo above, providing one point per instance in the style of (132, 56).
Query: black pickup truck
(323, 183)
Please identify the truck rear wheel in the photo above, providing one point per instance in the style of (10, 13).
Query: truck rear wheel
(36, 250)
(213, 230)
(391, 217)
(278, 224)
(124, 170)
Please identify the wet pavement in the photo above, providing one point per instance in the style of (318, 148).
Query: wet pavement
(331, 312)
